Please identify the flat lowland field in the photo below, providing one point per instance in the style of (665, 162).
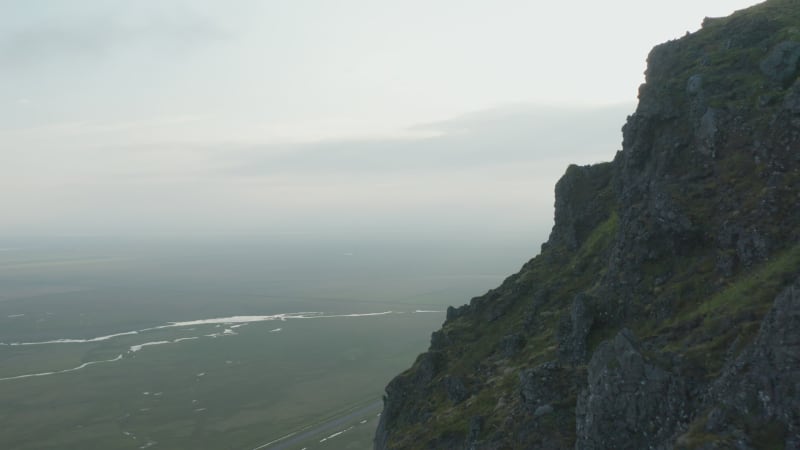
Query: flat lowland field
(228, 344)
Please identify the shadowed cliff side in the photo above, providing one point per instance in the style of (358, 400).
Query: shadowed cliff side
(664, 310)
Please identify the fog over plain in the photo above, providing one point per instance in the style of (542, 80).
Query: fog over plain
(415, 119)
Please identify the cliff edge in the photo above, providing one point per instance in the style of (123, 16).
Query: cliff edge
(664, 310)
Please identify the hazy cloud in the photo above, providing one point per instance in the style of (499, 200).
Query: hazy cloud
(98, 36)
(210, 115)
(522, 133)
(491, 170)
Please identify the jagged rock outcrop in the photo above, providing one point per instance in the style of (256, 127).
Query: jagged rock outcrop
(757, 398)
(578, 205)
(630, 402)
(663, 311)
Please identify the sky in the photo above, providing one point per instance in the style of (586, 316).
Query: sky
(411, 118)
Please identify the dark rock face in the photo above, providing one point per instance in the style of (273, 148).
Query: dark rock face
(456, 391)
(578, 208)
(629, 403)
(512, 344)
(475, 426)
(760, 389)
(535, 387)
(404, 387)
(574, 330)
(664, 310)
(780, 65)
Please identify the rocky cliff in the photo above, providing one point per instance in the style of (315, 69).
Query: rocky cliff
(664, 310)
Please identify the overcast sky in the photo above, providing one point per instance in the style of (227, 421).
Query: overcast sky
(418, 118)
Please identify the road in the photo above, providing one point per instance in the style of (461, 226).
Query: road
(337, 424)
